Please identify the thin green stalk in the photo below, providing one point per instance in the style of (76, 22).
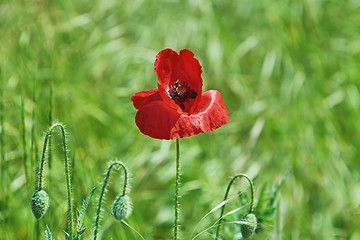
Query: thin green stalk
(34, 147)
(67, 171)
(177, 189)
(37, 231)
(2, 142)
(50, 121)
(251, 209)
(24, 139)
(3, 163)
(277, 222)
(103, 190)
(50, 152)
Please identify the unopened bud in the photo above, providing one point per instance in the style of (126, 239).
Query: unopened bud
(248, 226)
(39, 203)
(121, 207)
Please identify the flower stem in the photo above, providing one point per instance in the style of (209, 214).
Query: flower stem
(50, 121)
(251, 209)
(103, 190)
(67, 172)
(177, 188)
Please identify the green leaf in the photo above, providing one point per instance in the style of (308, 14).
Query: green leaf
(48, 233)
(262, 199)
(277, 188)
(81, 213)
(81, 232)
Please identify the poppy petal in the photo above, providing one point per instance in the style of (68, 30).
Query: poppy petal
(192, 68)
(156, 120)
(209, 115)
(165, 69)
(159, 121)
(170, 67)
(142, 98)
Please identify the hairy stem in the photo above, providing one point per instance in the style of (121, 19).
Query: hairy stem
(102, 193)
(50, 121)
(177, 189)
(226, 196)
(67, 171)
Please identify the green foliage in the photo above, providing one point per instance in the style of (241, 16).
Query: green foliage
(266, 206)
(80, 229)
(261, 220)
(48, 233)
(80, 214)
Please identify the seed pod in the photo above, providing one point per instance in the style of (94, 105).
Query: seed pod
(121, 207)
(249, 225)
(39, 203)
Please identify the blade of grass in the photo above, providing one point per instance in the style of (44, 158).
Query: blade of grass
(25, 158)
(213, 210)
(34, 154)
(128, 225)
(3, 164)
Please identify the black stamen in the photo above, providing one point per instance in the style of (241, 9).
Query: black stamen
(181, 92)
(191, 94)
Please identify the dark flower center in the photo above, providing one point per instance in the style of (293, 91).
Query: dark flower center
(181, 92)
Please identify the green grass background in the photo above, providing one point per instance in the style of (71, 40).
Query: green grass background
(289, 75)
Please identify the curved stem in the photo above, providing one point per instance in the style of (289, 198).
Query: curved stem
(226, 196)
(177, 188)
(67, 171)
(103, 192)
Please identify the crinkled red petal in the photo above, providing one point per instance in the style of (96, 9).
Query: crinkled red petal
(157, 120)
(192, 68)
(165, 69)
(209, 115)
(170, 67)
(142, 98)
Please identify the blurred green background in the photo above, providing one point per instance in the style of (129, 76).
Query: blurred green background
(289, 75)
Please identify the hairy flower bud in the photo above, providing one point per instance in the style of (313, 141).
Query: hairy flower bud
(39, 203)
(121, 207)
(249, 225)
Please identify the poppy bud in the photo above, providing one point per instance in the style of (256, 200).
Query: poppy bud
(121, 207)
(39, 203)
(249, 225)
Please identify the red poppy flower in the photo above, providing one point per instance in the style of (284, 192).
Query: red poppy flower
(178, 108)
